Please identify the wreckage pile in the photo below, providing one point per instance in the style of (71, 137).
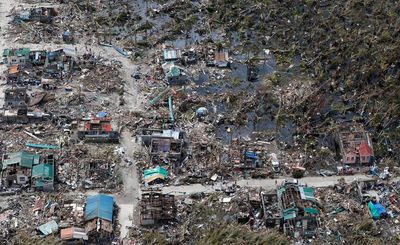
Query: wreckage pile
(52, 125)
(364, 211)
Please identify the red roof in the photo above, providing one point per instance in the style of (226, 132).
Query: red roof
(365, 149)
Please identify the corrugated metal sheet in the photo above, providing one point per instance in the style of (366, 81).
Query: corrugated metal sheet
(221, 56)
(171, 70)
(42, 146)
(48, 228)
(172, 54)
(24, 159)
(170, 133)
(6, 52)
(14, 69)
(155, 173)
(307, 193)
(43, 170)
(99, 206)
(22, 52)
(73, 233)
(311, 210)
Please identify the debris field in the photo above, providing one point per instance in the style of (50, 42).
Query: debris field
(199, 122)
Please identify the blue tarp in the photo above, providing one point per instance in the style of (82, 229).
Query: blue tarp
(102, 114)
(251, 155)
(381, 209)
(99, 206)
(377, 210)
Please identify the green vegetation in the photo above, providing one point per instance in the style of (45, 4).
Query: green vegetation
(240, 235)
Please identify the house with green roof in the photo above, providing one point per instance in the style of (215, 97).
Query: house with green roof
(17, 167)
(299, 209)
(17, 56)
(43, 177)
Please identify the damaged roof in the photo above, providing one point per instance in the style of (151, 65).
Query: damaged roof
(73, 233)
(43, 170)
(155, 173)
(48, 228)
(22, 158)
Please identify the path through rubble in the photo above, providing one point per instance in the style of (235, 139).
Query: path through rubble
(127, 201)
(267, 184)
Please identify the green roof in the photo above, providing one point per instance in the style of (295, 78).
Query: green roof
(42, 146)
(307, 193)
(289, 213)
(6, 52)
(22, 52)
(311, 210)
(43, 170)
(155, 173)
(23, 159)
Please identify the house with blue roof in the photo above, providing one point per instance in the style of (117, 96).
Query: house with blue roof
(99, 213)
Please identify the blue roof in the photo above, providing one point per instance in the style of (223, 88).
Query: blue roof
(99, 206)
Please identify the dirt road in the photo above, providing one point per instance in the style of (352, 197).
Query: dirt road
(267, 184)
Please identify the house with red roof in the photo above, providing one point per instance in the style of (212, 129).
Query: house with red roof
(356, 146)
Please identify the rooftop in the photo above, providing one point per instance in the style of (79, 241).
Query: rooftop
(99, 206)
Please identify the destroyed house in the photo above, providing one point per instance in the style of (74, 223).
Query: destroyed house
(38, 57)
(99, 213)
(15, 98)
(174, 74)
(356, 146)
(13, 73)
(60, 60)
(172, 54)
(48, 228)
(221, 59)
(6, 54)
(252, 159)
(298, 210)
(43, 177)
(22, 116)
(98, 129)
(73, 234)
(17, 167)
(247, 156)
(41, 14)
(155, 175)
(147, 135)
(156, 208)
(18, 115)
(169, 148)
(17, 56)
(270, 207)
